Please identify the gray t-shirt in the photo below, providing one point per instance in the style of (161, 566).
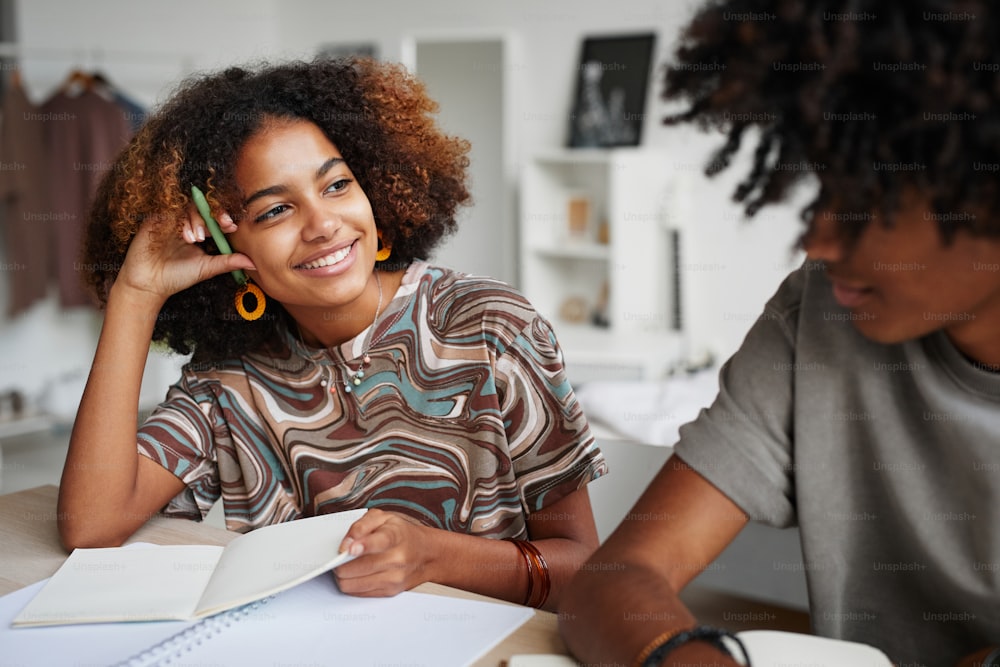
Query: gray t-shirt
(887, 457)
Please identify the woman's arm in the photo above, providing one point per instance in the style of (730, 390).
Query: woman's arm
(625, 596)
(396, 554)
(108, 490)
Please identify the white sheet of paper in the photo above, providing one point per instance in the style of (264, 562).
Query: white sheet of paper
(315, 623)
(312, 623)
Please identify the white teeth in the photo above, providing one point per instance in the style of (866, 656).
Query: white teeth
(329, 260)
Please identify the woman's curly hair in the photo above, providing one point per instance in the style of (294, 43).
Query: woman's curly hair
(378, 116)
(872, 97)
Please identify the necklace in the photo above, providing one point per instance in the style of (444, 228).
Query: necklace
(354, 378)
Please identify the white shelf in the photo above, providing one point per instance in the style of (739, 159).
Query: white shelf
(37, 423)
(625, 282)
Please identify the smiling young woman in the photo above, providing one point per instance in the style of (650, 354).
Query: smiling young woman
(372, 379)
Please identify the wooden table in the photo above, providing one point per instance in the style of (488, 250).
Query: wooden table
(30, 551)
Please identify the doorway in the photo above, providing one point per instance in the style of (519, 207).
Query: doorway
(469, 77)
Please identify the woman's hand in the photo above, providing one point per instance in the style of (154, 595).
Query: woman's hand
(164, 264)
(393, 554)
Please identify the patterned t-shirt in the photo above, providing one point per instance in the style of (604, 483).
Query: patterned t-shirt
(464, 419)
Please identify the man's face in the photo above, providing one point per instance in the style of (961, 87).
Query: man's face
(903, 282)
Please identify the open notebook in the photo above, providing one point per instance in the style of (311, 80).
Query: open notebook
(187, 582)
(310, 624)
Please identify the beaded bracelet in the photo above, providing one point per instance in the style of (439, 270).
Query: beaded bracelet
(654, 644)
(702, 633)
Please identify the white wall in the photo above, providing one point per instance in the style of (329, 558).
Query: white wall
(145, 47)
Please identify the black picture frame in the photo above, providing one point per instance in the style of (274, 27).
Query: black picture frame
(611, 87)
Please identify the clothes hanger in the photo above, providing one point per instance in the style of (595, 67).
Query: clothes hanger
(77, 82)
(102, 84)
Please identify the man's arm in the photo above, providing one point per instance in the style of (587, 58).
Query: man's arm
(626, 595)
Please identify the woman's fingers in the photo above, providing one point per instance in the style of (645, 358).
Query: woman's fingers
(362, 528)
(390, 555)
(384, 572)
(191, 225)
(226, 224)
(217, 264)
(374, 585)
(194, 229)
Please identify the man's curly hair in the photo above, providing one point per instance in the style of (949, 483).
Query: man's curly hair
(378, 116)
(873, 97)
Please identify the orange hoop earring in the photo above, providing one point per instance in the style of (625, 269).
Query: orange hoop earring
(383, 251)
(260, 300)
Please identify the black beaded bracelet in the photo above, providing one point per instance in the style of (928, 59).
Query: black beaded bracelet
(702, 633)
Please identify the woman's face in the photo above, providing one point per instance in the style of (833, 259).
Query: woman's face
(308, 227)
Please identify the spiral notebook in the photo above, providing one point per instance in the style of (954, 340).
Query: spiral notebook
(310, 624)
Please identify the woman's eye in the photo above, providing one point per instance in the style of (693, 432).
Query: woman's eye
(270, 213)
(339, 185)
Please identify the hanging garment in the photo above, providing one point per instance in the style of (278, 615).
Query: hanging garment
(23, 200)
(83, 136)
(135, 113)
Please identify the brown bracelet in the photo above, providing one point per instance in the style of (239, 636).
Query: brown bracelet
(542, 568)
(537, 569)
(531, 576)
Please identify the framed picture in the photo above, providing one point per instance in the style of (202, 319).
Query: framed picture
(610, 104)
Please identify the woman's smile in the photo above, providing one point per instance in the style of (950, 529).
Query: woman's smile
(333, 260)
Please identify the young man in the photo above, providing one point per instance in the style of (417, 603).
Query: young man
(864, 404)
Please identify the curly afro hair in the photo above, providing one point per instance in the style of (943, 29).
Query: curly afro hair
(378, 116)
(871, 97)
